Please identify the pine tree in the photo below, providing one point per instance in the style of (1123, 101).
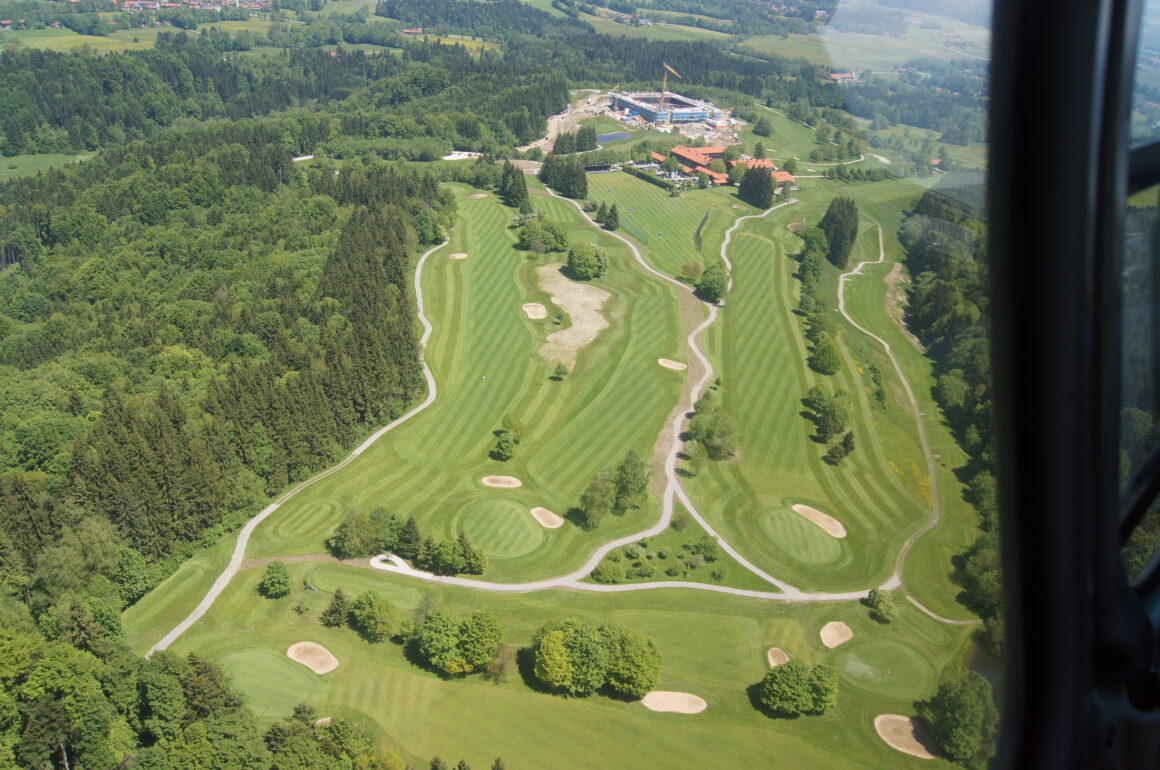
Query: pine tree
(840, 224)
(409, 540)
(602, 212)
(612, 220)
(337, 613)
(756, 188)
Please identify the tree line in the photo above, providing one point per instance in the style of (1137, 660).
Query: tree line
(364, 534)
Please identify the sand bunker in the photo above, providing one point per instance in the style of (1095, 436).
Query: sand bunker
(323, 721)
(459, 255)
(904, 734)
(670, 364)
(314, 656)
(823, 520)
(677, 702)
(835, 633)
(508, 482)
(547, 518)
(535, 310)
(776, 656)
(582, 304)
(477, 196)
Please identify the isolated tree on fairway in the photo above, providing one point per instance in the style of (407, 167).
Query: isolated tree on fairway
(587, 261)
(612, 219)
(763, 128)
(826, 359)
(337, 613)
(713, 283)
(881, 604)
(505, 447)
(481, 635)
(631, 482)
(602, 212)
(560, 372)
(275, 581)
(598, 499)
(759, 151)
(794, 688)
(756, 188)
(634, 662)
(372, 616)
(438, 641)
(961, 719)
(512, 426)
(841, 227)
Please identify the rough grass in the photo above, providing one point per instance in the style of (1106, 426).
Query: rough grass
(23, 165)
(713, 646)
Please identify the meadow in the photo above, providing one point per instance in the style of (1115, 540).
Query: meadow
(713, 646)
(23, 165)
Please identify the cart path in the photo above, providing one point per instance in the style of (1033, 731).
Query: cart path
(673, 488)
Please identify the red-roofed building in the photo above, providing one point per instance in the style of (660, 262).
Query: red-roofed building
(718, 179)
(658, 157)
(755, 163)
(698, 156)
(782, 177)
(843, 77)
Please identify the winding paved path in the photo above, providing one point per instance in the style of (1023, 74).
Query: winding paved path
(673, 488)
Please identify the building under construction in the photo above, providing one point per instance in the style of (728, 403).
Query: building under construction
(665, 107)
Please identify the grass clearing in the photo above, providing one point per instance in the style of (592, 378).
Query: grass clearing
(23, 165)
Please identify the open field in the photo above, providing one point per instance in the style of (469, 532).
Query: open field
(346, 6)
(67, 40)
(660, 31)
(946, 39)
(23, 165)
(483, 354)
(712, 646)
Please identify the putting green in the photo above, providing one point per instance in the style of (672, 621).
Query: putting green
(502, 528)
(273, 683)
(887, 668)
(799, 537)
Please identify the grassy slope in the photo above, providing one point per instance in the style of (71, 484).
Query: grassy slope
(483, 353)
(713, 646)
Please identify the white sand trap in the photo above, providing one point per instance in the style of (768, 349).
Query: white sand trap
(823, 520)
(776, 656)
(582, 304)
(677, 702)
(322, 721)
(835, 633)
(547, 518)
(477, 196)
(670, 364)
(904, 734)
(535, 310)
(459, 255)
(314, 656)
(507, 482)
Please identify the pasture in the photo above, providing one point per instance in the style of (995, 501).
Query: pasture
(658, 31)
(713, 646)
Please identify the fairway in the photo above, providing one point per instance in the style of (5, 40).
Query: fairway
(712, 646)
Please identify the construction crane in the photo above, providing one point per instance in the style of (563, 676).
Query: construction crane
(665, 90)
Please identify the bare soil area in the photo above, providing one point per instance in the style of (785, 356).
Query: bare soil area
(582, 303)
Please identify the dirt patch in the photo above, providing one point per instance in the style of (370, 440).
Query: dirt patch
(535, 310)
(477, 196)
(507, 482)
(670, 364)
(824, 520)
(776, 656)
(835, 633)
(582, 303)
(676, 702)
(459, 255)
(547, 518)
(314, 656)
(904, 734)
(896, 304)
(322, 721)
(739, 207)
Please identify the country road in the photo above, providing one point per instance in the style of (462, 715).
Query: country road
(673, 488)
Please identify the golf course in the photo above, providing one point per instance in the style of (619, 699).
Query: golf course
(799, 541)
